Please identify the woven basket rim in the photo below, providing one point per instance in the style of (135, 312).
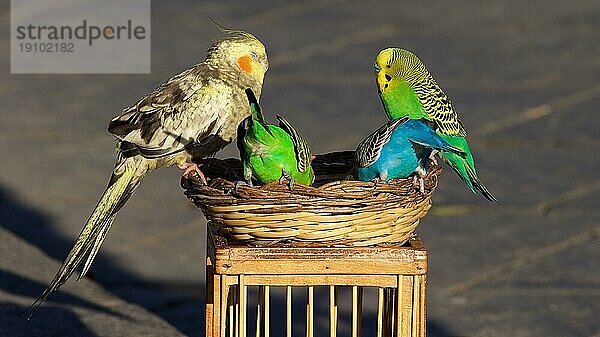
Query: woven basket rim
(335, 211)
(276, 193)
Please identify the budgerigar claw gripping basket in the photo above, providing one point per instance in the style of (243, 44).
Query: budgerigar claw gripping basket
(332, 211)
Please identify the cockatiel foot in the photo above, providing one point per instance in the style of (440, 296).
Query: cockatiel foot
(190, 168)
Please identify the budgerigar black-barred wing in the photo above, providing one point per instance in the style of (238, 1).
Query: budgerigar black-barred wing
(439, 108)
(369, 150)
(186, 111)
(302, 149)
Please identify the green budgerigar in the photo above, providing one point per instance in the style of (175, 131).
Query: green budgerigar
(406, 88)
(270, 152)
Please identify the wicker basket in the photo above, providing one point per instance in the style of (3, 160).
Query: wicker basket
(333, 211)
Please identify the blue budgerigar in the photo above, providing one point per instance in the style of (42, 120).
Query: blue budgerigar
(406, 88)
(398, 149)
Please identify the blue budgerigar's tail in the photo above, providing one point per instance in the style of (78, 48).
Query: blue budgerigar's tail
(454, 150)
(423, 135)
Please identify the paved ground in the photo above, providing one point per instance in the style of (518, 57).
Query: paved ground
(523, 75)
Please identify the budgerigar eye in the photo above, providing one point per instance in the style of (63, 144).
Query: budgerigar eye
(377, 67)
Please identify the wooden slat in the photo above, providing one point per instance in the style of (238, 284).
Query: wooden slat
(387, 281)
(233, 313)
(224, 307)
(423, 309)
(337, 301)
(355, 311)
(399, 302)
(416, 310)
(267, 314)
(209, 299)
(253, 266)
(217, 310)
(243, 290)
(380, 302)
(404, 305)
(332, 311)
(310, 305)
(260, 307)
(288, 306)
(392, 260)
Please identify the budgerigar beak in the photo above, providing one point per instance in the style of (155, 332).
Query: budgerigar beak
(381, 81)
(379, 76)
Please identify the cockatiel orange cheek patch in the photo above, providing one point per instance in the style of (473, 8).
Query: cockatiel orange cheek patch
(245, 63)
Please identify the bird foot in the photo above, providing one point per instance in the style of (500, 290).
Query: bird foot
(418, 179)
(191, 168)
(287, 176)
(432, 157)
(243, 183)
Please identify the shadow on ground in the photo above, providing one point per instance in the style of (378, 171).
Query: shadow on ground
(22, 286)
(183, 311)
(51, 321)
(37, 228)
(434, 329)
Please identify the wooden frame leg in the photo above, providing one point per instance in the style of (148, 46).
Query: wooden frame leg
(213, 300)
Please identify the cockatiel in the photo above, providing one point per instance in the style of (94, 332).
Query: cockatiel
(270, 152)
(406, 88)
(190, 116)
(398, 149)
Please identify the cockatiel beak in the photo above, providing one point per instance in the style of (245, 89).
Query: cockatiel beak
(265, 63)
(253, 65)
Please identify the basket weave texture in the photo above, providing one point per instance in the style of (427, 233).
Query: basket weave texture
(332, 211)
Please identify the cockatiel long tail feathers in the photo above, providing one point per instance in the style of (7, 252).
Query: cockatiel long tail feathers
(93, 233)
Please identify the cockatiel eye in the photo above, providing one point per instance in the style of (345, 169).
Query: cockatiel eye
(254, 55)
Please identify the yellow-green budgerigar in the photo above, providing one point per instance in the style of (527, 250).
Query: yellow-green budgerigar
(406, 88)
(190, 116)
(272, 152)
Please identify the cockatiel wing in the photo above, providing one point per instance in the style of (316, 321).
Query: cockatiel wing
(185, 111)
(301, 148)
(369, 150)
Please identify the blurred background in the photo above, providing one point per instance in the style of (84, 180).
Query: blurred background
(524, 77)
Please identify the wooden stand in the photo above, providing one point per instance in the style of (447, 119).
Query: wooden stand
(398, 273)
